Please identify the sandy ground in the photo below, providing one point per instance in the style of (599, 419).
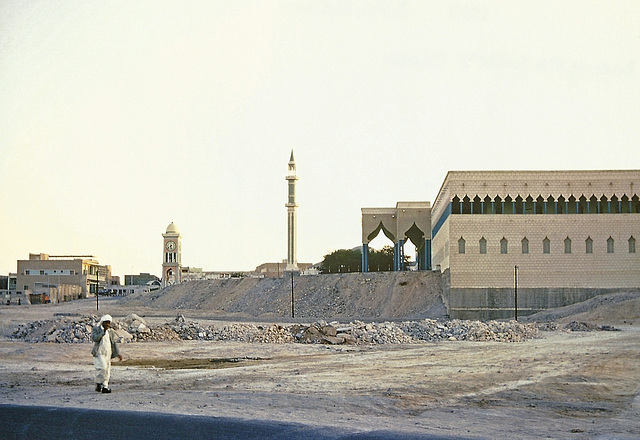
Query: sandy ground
(563, 385)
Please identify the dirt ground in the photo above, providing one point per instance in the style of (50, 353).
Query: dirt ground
(572, 385)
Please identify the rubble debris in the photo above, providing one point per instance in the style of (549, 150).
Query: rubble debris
(134, 328)
(577, 326)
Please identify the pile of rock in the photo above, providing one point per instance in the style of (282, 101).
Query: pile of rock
(577, 326)
(64, 330)
(133, 328)
(459, 330)
(240, 332)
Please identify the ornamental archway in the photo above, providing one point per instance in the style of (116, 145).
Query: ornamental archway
(408, 221)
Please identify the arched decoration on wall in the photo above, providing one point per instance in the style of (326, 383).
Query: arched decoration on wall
(416, 236)
(487, 203)
(614, 205)
(483, 245)
(529, 205)
(567, 245)
(625, 204)
(504, 246)
(582, 205)
(560, 205)
(610, 245)
(519, 205)
(466, 205)
(461, 246)
(540, 205)
(508, 205)
(455, 205)
(386, 232)
(497, 205)
(588, 244)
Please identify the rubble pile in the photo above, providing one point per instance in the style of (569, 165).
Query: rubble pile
(459, 330)
(63, 330)
(577, 326)
(133, 328)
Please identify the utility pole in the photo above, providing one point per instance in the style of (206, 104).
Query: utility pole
(293, 314)
(515, 290)
(97, 286)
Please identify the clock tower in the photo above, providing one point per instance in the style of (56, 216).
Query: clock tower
(172, 251)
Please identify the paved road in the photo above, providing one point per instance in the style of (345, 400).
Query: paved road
(33, 423)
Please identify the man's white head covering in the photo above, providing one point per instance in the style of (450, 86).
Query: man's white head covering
(105, 318)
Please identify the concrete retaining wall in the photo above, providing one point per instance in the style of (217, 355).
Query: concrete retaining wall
(498, 303)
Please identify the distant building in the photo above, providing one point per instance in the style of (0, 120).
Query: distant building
(57, 278)
(276, 270)
(140, 279)
(196, 273)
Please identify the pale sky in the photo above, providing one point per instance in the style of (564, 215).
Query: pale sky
(119, 117)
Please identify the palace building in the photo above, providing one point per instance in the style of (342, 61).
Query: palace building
(554, 237)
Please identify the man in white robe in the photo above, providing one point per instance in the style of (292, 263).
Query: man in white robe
(104, 349)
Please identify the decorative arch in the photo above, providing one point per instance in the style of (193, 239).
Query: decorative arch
(415, 235)
(407, 221)
(382, 228)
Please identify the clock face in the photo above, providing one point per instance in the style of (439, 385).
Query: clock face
(171, 245)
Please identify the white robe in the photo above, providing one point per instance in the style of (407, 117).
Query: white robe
(102, 361)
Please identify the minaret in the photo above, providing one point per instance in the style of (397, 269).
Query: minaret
(292, 257)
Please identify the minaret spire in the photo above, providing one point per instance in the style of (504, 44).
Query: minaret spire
(292, 251)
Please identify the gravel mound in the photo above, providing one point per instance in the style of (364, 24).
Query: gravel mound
(620, 306)
(369, 296)
(134, 329)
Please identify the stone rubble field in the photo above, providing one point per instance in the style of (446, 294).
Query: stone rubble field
(417, 374)
(134, 328)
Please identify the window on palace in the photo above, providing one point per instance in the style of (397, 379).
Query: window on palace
(546, 246)
(610, 243)
(483, 246)
(589, 245)
(504, 245)
(567, 245)
(461, 246)
(525, 245)
(632, 245)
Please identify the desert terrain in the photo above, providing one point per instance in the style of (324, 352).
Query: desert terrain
(559, 384)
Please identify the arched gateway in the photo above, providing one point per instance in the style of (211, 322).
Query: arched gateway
(408, 221)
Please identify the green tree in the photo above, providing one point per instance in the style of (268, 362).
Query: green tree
(342, 260)
(382, 260)
(350, 260)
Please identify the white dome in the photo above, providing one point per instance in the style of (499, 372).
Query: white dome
(172, 229)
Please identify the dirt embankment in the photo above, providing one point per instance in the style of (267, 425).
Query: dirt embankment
(367, 296)
(621, 308)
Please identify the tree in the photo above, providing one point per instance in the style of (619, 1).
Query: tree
(342, 260)
(382, 260)
(350, 260)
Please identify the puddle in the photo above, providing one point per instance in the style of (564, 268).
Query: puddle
(191, 364)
